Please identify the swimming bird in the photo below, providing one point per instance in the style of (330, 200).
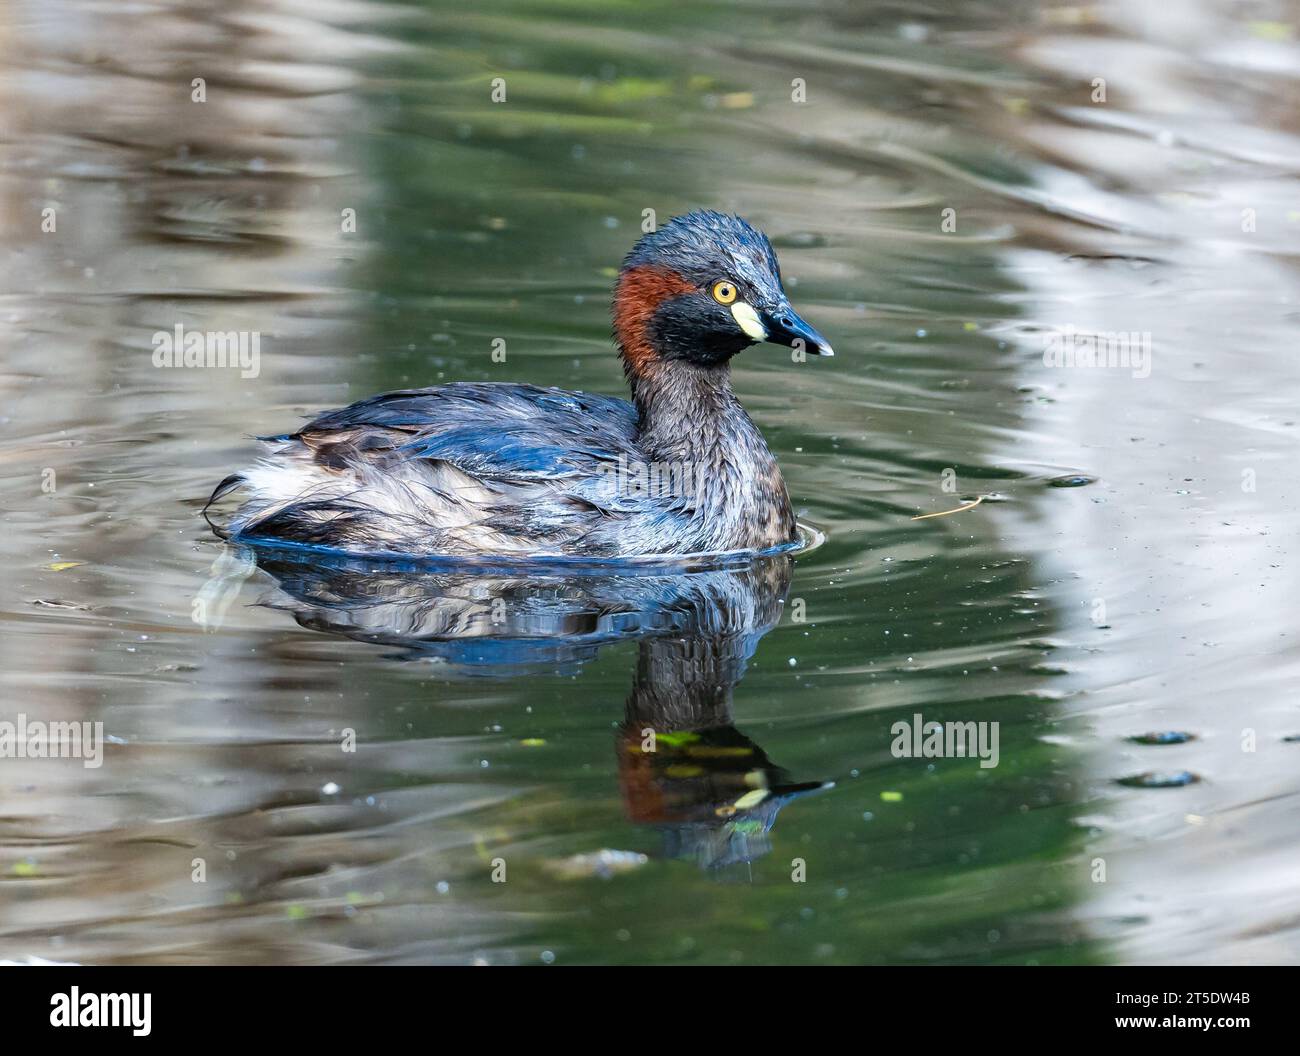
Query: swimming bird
(517, 470)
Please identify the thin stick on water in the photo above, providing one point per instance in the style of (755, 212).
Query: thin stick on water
(945, 513)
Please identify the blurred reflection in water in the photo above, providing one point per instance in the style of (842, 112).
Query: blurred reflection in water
(683, 766)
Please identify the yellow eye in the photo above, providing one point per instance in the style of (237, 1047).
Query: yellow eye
(724, 292)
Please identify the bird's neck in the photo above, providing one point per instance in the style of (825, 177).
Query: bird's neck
(687, 411)
(692, 423)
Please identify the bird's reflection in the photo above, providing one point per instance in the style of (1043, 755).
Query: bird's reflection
(683, 765)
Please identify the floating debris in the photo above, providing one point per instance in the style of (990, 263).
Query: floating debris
(945, 513)
(604, 863)
(748, 801)
(62, 566)
(679, 739)
(1163, 737)
(1072, 480)
(1177, 779)
(892, 797)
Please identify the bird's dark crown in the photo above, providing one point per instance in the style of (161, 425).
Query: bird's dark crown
(705, 246)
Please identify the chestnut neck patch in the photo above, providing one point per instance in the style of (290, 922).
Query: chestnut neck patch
(638, 295)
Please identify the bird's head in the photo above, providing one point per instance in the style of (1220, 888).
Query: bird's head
(701, 288)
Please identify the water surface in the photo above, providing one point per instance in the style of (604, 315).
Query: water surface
(349, 190)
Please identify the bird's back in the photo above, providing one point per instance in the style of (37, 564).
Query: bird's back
(464, 468)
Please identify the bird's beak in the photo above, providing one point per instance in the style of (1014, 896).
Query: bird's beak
(784, 327)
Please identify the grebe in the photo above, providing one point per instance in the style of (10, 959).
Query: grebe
(474, 468)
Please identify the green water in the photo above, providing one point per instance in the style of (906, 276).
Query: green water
(1156, 598)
